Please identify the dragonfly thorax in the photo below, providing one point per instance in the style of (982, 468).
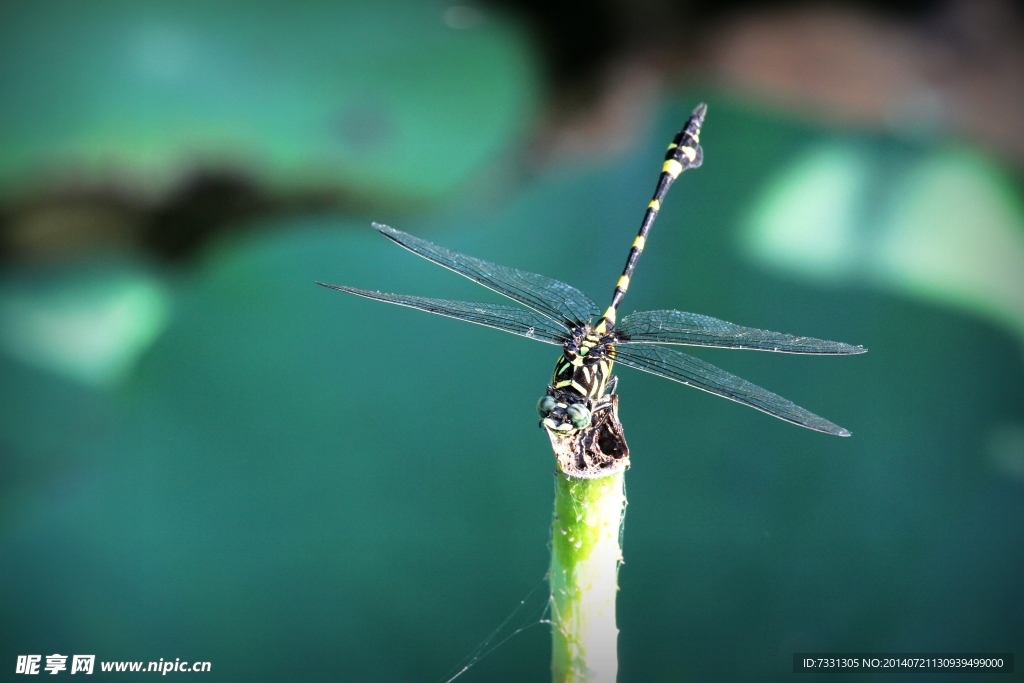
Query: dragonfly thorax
(579, 382)
(585, 365)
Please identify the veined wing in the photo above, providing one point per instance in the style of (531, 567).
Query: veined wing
(675, 365)
(692, 329)
(521, 321)
(556, 300)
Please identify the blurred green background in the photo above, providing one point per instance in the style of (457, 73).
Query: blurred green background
(205, 456)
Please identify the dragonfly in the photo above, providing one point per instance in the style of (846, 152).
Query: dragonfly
(553, 312)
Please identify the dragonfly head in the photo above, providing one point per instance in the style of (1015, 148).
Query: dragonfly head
(563, 419)
(545, 405)
(579, 415)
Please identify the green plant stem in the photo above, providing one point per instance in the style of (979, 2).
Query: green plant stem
(585, 557)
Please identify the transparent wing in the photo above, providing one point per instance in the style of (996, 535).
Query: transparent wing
(556, 300)
(521, 321)
(692, 329)
(675, 365)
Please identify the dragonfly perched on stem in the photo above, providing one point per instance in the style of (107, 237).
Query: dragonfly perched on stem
(581, 394)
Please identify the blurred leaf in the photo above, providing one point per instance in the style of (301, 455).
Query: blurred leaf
(91, 326)
(945, 226)
(382, 100)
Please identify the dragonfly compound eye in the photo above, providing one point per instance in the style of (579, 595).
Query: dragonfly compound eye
(579, 415)
(545, 405)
